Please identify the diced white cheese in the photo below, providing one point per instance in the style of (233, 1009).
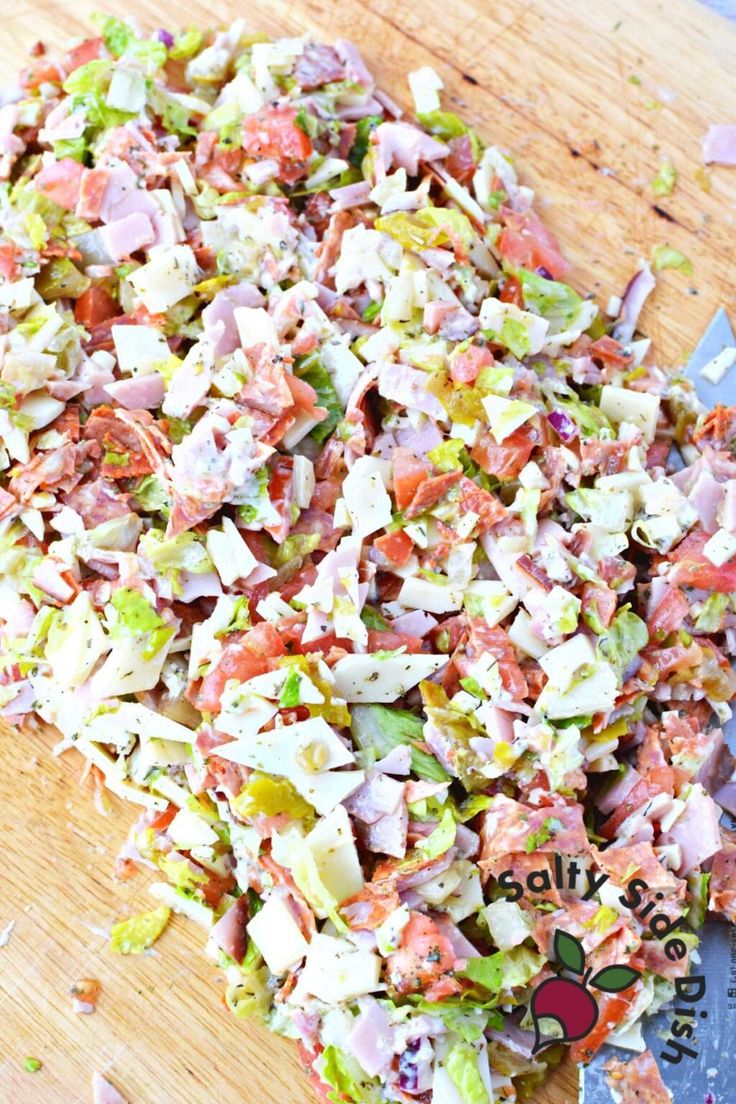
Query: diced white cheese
(303, 481)
(343, 366)
(638, 407)
(370, 678)
(506, 415)
(336, 970)
(190, 907)
(366, 498)
(306, 753)
(720, 548)
(716, 369)
(532, 477)
(489, 599)
(229, 553)
(578, 682)
(139, 348)
(508, 924)
(76, 641)
(168, 277)
(419, 593)
(17, 295)
(127, 91)
(187, 830)
(40, 410)
(277, 935)
(425, 87)
(335, 854)
(383, 343)
(255, 326)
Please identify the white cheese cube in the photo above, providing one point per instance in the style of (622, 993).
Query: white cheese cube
(720, 548)
(622, 405)
(277, 935)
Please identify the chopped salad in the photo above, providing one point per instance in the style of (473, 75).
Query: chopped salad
(373, 563)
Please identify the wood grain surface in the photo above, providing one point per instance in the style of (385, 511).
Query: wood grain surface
(588, 98)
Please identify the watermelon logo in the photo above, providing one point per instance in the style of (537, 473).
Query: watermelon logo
(568, 1004)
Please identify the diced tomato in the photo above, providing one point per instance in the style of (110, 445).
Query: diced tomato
(380, 640)
(93, 306)
(511, 291)
(43, 73)
(466, 366)
(636, 797)
(612, 1009)
(273, 133)
(430, 491)
(599, 603)
(305, 397)
(610, 351)
(526, 242)
(281, 493)
(241, 660)
(397, 547)
(8, 262)
(86, 51)
(408, 474)
(424, 956)
(164, 819)
(482, 639)
(473, 499)
(669, 614)
(694, 569)
(506, 460)
(459, 161)
(91, 191)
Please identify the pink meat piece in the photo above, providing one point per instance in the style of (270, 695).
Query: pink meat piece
(123, 195)
(355, 68)
(94, 379)
(188, 391)
(415, 623)
(64, 389)
(408, 386)
(59, 181)
(618, 793)
(350, 195)
(403, 146)
(461, 946)
(450, 320)
(728, 513)
(420, 441)
(62, 124)
(226, 340)
(97, 502)
(398, 761)
(696, 830)
(47, 577)
(719, 145)
(508, 825)
(105, 1093)
(318, 65)
(371, 1039)
(138, 392)
(127, 235)
(706, 496)
(196, 585)
(229, 932)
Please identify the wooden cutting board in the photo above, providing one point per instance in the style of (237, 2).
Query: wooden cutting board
(588, 98)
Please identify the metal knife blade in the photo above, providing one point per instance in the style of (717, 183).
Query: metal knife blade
(709, 1078)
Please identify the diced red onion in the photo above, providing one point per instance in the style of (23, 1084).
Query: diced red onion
(563, 425)
(408, 1072)
(165, 37)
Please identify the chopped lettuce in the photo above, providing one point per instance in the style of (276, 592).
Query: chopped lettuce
(381, 729)
(622, 641)
(462, 1066)
(441, 839)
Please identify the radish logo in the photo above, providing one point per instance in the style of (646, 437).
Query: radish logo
(569, 1004)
